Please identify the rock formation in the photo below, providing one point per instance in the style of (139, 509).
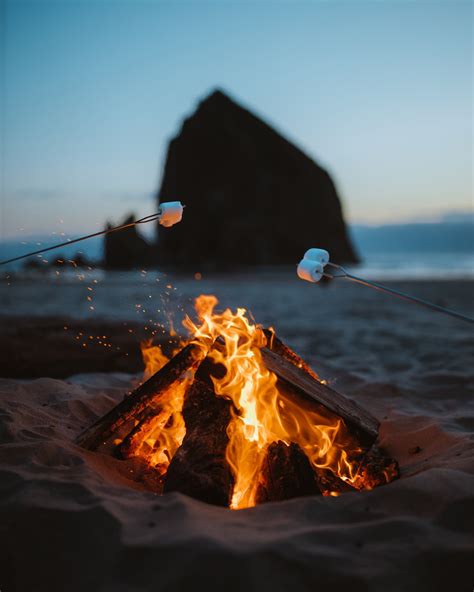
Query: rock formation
(126, 249)
(252, 197)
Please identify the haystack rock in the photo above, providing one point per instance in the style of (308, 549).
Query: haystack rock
(252, 197)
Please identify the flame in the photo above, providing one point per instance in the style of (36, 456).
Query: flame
(262, 413)
(153, 358)
(159, 438)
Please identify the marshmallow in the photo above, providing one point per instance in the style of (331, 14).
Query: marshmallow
(311, 271)
(319, 255)
(171, 213)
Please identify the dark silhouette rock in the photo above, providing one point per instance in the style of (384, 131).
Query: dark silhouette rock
(252, 197)
(126, 249)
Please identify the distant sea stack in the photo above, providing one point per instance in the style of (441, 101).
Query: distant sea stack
(126, 249)
(252, 197)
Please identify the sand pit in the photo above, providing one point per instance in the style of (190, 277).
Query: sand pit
(74, 520)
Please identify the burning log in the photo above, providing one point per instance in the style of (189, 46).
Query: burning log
(361, 422)
(150, 421)
(156, 422)
(286, 473)
(300, 385)
(146, 394)
(330, 484)
(233, 433)
(376, 469)
(277, 346)
(199, 468)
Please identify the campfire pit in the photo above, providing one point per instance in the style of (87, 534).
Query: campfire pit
(236, 418)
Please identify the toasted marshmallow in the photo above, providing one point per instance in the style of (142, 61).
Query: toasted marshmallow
(311, 271)
(319, 255)
(171, 213)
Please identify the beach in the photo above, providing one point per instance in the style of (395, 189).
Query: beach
(73, 519)
(204, 384)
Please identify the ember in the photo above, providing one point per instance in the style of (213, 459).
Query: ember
(237, 418)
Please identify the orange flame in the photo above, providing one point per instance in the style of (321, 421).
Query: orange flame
(263, 414)
(153, 358)
(163, 434)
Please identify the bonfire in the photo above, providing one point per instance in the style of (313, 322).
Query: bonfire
(236, 418)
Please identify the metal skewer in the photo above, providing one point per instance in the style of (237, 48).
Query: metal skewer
(144, 220)
(402, 295)
(311, 269)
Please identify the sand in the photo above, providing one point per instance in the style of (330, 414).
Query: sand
(74, 520)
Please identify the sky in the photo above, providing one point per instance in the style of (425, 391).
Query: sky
(379, 93)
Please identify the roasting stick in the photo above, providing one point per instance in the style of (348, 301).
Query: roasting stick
(311, 269)
(401, 295)
(168, 214)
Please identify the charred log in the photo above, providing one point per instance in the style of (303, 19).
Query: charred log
(199, 468)
(277, 346)
(146, 394)
(330, 484)
(286, 473)
(376, 469)
(362, 423)
(152, 422)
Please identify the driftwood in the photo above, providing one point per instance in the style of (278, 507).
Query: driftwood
(361, 422)
(133, 405)
(199, 468)
(286, 473)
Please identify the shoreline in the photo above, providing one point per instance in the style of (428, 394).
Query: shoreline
(346, 326)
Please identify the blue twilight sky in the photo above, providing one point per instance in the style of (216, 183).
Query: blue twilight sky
(378, 92)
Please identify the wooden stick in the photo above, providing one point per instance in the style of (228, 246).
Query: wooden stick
(364, 423)
(188, 358)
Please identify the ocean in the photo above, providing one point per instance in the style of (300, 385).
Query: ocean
(409, 253)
